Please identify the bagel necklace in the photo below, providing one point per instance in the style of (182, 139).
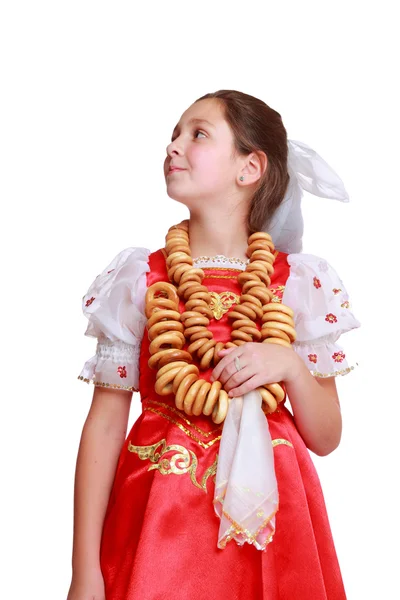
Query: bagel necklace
(168, 329)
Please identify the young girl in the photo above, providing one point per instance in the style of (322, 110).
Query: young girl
(214, 493)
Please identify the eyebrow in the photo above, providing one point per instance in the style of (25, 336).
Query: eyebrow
(195, 120)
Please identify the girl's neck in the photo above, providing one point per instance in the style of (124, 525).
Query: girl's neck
(209, 236)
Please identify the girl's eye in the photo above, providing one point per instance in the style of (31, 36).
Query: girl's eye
(195, 134)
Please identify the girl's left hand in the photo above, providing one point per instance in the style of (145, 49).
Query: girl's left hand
(259, 364)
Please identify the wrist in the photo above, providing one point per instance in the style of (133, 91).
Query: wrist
(86, 573)
(296, 368)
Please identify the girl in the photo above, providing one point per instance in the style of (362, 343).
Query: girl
(214, 493)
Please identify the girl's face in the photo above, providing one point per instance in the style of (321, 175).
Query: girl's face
(202, 148)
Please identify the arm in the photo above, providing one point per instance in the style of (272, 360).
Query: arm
(102, 438)
(316, 408)
(314, 401)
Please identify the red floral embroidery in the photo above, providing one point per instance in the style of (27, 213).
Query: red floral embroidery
(317, 283)
(122, 371)
(331, 318)
(312, 358)
(89, 302)
(336, 291)
(338, 356)
(346, 304)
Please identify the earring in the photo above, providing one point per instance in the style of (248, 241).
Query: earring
(241, 178)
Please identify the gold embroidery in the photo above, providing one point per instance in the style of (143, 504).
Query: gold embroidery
(221, 302)
(251, 538)
(115, 386)
(183, 461)
(334, 373)
(183, 417)
(277, 291)
(184, 429)
(279, 441)
(220, 276)
(221, 269)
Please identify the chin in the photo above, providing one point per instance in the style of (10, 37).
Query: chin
(178, 197)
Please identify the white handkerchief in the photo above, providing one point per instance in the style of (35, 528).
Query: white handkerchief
(246, 492)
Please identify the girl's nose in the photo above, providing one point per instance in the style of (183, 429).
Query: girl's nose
(174, 147)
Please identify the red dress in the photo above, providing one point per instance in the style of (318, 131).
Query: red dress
(160, 529)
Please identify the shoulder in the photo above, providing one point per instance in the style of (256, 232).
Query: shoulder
(323, 312)
(313, 262)
(127, 256)
(114, 301)
(314, 271)
(315, 291)
(132, 261)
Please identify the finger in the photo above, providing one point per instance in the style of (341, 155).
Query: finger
(229, 371)
(247, 386)
(238, 378)
(222, 364)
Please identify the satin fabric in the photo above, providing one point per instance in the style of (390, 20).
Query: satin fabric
(160, 529)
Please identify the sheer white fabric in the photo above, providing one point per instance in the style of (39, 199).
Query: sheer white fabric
(322, 314)
(310, 172)
(114, 306)
(246, 492)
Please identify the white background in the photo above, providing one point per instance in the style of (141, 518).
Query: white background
(90, 94)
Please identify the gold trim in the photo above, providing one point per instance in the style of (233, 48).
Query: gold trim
(236, 529)
(182, 462)
(220, 276)
(183, 417)
(279, 441)
(115, 386)
(184, 429)
(220, 269)
(334, 373)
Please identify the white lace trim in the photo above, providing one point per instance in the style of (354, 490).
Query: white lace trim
(117, 351)
(219, 260)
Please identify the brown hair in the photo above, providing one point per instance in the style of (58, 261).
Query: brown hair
(255, 127)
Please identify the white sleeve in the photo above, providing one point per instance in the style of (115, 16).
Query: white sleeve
(114, 306)
(322, 314)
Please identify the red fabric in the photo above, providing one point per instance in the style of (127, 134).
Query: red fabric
(160, 530)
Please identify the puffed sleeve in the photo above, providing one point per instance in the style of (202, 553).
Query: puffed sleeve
(114, 307)
(322, 314)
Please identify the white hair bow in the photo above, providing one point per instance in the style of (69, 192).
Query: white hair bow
(309, 172)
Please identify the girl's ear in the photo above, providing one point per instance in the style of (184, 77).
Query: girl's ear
(256, 165)
(261, 161)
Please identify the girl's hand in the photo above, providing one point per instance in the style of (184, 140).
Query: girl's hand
(90, 588)
(259, 364)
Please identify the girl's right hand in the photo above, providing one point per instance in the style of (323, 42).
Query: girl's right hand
(89, 589)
